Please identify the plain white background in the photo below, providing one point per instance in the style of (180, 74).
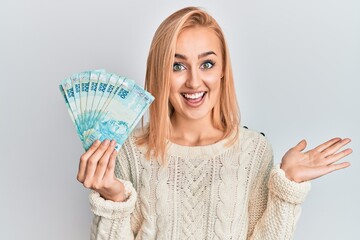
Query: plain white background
(296, 65)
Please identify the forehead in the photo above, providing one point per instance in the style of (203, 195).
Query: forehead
(198, 40)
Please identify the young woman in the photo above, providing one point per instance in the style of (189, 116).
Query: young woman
(193, 172)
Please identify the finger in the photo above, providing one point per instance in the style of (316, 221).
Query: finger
(335, 167)
(300, 146)
(102, 165)
(327, 144)
(338, 156)
(335, 147)
(83, 160)
(93, 162)
(313, 173)
(111, 166)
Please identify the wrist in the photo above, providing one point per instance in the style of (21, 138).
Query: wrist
(121, 197)
(124, 194)
(289, 174)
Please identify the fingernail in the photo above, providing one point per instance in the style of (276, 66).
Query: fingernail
(113, 142)
(106, 142)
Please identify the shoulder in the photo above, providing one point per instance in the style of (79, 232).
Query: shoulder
(257, 148)
(253, 140)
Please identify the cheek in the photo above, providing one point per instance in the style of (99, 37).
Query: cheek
(177, 80)
(213, 77)
(213, 82)
(174, 92)
(216, 89)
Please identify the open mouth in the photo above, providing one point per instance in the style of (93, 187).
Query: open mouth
(194, 97)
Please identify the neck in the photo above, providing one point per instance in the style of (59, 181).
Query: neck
(190, 132)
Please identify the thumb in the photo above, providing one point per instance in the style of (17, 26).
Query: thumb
(301, 145)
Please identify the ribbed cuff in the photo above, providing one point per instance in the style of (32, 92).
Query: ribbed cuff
(110, 209)
(286, 189)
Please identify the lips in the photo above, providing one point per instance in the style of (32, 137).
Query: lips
(194, 98)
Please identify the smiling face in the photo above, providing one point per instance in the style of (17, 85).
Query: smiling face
(197, 73)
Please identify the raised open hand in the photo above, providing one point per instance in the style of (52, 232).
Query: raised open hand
(304, 166)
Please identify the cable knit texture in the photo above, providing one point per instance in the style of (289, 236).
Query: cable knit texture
(205, 192)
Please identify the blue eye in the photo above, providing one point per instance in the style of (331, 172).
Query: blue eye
(207, 65)
(178, 67)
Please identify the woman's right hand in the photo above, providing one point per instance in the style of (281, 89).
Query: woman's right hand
(96, 171)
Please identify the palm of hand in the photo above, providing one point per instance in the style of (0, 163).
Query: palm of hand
(304, 166)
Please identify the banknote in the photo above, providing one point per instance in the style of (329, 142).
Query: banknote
(99, 93)
(90, 114)
(117, 117)
(76, 89)
(67, 104)
(113, 82)
(104, 105)
(87, 114)
(67, 88)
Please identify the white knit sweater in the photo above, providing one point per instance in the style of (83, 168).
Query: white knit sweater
(205, 192)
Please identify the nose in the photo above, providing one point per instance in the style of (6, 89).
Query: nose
(193, 79)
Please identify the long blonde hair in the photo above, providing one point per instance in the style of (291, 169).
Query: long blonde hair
(225, 114)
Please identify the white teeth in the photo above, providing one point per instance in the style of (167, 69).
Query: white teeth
(194, 96)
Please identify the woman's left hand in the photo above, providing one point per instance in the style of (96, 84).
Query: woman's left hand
(304, 166)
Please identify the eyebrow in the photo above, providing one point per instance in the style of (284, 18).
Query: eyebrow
(201, 55)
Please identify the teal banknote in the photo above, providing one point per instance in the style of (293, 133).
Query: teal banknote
(67, 90)
(104, 105)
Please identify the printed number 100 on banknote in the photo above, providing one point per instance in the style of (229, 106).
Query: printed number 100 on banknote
(104, 105)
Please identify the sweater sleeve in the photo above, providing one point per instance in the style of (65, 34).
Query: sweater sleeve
(274, 207)
(112, 220)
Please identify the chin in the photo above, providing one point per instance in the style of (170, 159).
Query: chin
(198, 115)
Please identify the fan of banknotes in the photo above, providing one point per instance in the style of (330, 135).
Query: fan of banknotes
(104, 105)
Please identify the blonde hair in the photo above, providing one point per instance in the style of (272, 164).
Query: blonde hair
(225, 114)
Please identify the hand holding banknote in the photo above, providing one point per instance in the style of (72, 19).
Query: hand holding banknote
(103, 106)
(96, 171)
